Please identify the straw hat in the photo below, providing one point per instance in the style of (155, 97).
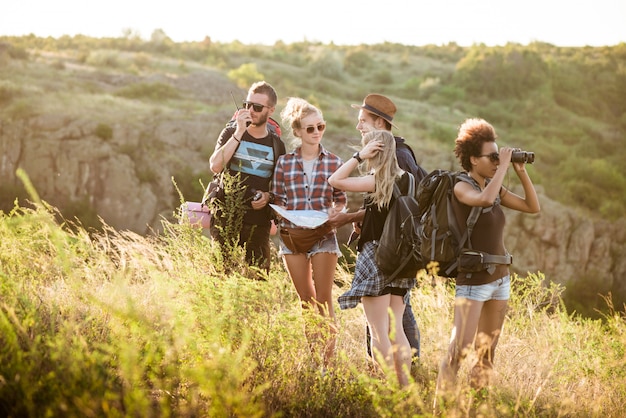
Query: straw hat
(379, 105)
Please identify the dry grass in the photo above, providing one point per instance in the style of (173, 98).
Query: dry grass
(117, 324)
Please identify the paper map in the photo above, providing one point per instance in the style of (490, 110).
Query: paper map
(302, 218)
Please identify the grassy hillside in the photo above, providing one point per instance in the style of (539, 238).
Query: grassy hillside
(565, 104)
(117, 324)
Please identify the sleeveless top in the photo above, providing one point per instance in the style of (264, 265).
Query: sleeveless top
(487, 236)
(374, 220)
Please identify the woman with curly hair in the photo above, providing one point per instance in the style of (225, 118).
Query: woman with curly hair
(481, 297)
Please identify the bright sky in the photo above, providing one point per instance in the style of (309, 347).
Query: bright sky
(411, 22)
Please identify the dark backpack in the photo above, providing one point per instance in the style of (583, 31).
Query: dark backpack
(440, 237)
(397, 254)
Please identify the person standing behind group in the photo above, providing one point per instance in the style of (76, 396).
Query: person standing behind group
(251, 149)
(481, 299)
(300, 183)
(377, 113)
(369, 285)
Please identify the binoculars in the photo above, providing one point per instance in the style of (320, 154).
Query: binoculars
(523, 157)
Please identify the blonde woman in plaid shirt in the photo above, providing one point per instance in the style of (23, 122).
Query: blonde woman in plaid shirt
(300, 183)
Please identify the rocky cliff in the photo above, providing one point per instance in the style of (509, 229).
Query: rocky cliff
(112, 140)
(571, 248)
(127, 180)
(128, 183)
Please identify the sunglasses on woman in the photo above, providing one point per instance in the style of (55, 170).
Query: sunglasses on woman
(257, 107)
(494, 157)
(320, 128)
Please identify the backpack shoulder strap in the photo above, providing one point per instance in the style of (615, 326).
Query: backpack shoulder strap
(277, 145)
(471, 222)
(411, 190)
(475, 212)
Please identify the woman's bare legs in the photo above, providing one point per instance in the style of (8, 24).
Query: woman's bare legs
(487, 336)
(324, 267)
(466, 318)
(474, 321)
(402, 348)
(313, 279)
(396, 353)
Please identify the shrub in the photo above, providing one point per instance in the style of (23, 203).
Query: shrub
(104, 58)
(190, 184)
(245, 75)
(150, 91)
(442, 133)
(382, 77)
(8, 91)
(21, 108)
(104, 131)
(355, 62)
(231, 206)
(327, 65)
(506, 72)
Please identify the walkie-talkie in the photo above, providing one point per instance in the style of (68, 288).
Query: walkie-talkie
(237, 106)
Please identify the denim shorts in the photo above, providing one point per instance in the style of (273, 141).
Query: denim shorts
(496, 290)
(328, 244)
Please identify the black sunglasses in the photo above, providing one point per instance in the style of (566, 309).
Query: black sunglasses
(256, 106)
(311, 129)
(494, 157)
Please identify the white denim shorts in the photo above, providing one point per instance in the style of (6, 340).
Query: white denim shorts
(496, 290)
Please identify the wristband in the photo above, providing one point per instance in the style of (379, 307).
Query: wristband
(238, 140)
(357, 157)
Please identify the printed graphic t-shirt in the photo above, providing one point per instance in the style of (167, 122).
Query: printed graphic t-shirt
(254, 159)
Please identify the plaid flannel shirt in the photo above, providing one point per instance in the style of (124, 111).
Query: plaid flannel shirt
(291, 188)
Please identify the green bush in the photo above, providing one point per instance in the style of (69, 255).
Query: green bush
(356, 62)
(382, 77)
(104, 58)
(442, 133)
(327, 65)
(21, 108)
(104, 131)
(501, 72)
(245, 75)
(8, 91)
(149, 91)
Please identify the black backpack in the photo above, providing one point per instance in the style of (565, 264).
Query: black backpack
(440, 238)
(397, 254)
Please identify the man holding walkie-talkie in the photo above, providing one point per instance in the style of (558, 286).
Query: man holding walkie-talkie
(251, 148)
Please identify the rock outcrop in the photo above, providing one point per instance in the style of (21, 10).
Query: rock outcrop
(127, 179)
